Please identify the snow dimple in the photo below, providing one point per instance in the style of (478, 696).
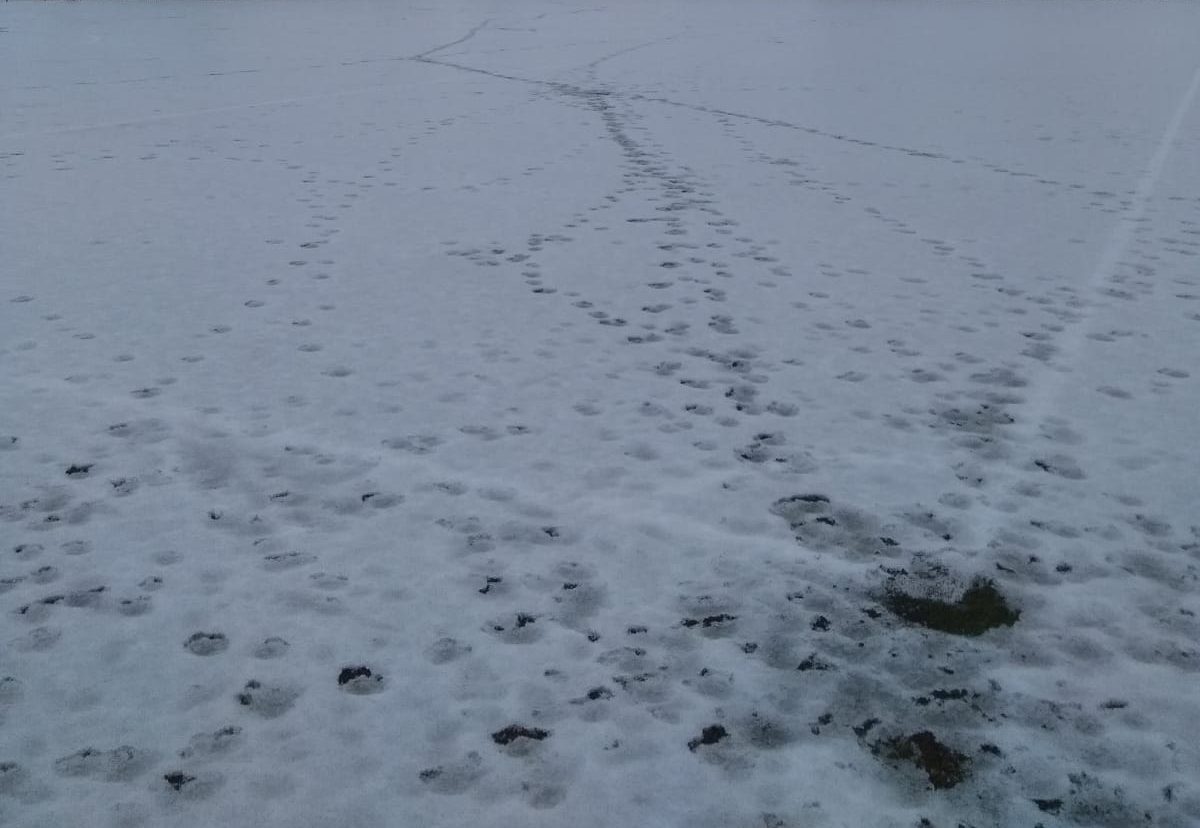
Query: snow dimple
(214, 743)
(287, 560)
(268, 701)
(11, 689)
(120, 764)
(454, 777)
(447, 649)
(205, 644)
(13, 777)
(273, 647)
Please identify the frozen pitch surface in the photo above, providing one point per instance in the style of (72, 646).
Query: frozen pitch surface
(675, 414)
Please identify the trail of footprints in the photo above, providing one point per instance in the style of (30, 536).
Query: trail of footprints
(974, 419)
(676, 200)
(934, 733)
(675, 664)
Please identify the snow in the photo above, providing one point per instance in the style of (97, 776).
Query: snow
(534, 414)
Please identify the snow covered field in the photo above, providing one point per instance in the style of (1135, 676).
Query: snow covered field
(711, 414)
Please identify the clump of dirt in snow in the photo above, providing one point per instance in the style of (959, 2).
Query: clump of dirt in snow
(513, 732)
(708, 736)
(944, 766)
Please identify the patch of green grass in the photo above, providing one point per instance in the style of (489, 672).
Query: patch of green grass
(981, 608)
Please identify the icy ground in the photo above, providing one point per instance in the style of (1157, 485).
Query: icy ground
(715, 414)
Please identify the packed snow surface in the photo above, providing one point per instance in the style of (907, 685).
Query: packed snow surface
(711, 414)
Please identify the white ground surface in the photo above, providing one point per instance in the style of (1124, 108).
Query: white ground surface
(480, 345)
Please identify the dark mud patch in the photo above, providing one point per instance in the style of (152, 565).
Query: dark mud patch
(359, 680)
(981, 608)
(709, 620)
(177, 779)
(513, 732)
(814, 663)
(349, 674)
(708, 736)
(944, 766)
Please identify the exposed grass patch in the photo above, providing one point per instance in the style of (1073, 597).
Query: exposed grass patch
(981, 608)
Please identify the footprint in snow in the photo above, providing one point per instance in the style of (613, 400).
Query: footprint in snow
(121, 764)
(360, 680)
(273, 647)
(206, 644)
(268, 701)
